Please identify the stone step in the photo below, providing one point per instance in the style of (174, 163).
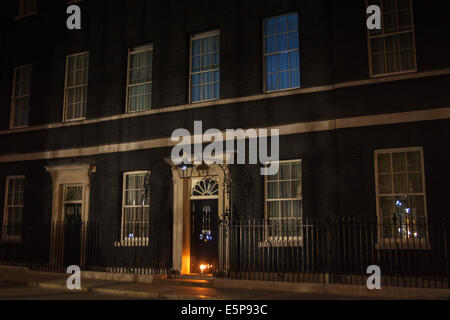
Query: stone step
(189, 282)
(197, 276)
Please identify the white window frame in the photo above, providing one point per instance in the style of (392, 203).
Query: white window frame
(136, 50)
(281, 241)
(125, 241)
(81, 201)
(5, 237)
(383, 35)
(21, 9)
(198, 36)
(384, 242)
(264, 54)
(14, 98)
(66, 88)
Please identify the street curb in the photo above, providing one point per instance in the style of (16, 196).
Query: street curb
(121, 292)
(122, 277)
(149, 295)
(54, 286)
(15, 269)
(335, 289)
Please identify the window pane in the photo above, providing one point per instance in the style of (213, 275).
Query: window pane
(387, 209)
(285, 211)
(387, 44)
(140, 72)
(415, 183)
(283, 80)
(391, 43)
(283, 62)
(281, 42)
(403, 214)
(73, 193)
(285, 186)
(399, 183)
(14, 206)
(271, 44)
(295, 78)
(293, 40)
(269, 26)
(76, 86)
(384, 183)
(377, 45)
(273, 190)
(392, 62)
(297, 208)
(294, 60)
(285, 189)
(390, 21)
(378, 64)
(407, 60)
(296, 170)
(399, 162)
(196, 93)
(296, 189)
(21, 95)
(274, 209)
(285, 171)
(414, 161)
(205, 83)
(293, 22)
(384, 163)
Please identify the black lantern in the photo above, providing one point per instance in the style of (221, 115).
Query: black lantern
(185, 170)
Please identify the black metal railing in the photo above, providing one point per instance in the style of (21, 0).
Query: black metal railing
(335, 251)
(339, 251)
(93, 247)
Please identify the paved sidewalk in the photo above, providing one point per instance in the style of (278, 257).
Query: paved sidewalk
(156, 290)
(219, 289)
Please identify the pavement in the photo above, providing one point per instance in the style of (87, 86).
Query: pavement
(18, 291)
(21, 284)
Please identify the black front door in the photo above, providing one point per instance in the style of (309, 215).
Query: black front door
(72, 233)
(204, 236)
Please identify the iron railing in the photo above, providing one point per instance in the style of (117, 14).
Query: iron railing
(92, 246)
(309, 250)
(339, 251)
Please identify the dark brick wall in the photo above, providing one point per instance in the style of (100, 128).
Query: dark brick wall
(333, 48)
(337, 166)
(338, 174)
(422, 94)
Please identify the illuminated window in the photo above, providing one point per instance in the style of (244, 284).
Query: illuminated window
(20, 104)
(281, 53)
(139, 89)
(392, 49)
(136, 209)
(205, 66)
(13, 211)
(400, 191)
(77, 70)
(284, 200)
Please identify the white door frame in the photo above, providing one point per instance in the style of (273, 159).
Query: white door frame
(181, 211)
(67, 175)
